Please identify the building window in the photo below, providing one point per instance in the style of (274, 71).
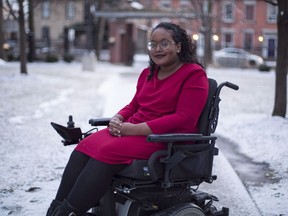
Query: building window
(185, 4)
(46, 35)
(46, 8)
(271, 47)
(227, 39)
(272, 12)
(228, 12)
(249, 12)
(165, 4)
(70, 9)
(248, 41)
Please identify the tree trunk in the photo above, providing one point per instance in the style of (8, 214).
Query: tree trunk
(2, 54)
(207, 43)
(208, 36)
(22, 45)
(31, 55)
(282, 63)
(206, 18)
(89, 25)
(100, 30)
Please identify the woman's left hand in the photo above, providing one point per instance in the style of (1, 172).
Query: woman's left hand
(115, 125)
(118, 128)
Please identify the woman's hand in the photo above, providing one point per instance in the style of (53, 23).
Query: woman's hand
(115, 125)
(119, 128)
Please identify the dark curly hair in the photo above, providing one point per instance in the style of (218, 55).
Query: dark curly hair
(188, 48)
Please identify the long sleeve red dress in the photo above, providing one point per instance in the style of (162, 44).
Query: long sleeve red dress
(170, 105)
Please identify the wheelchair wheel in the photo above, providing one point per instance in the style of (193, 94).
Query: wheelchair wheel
(190, 212)
(186, 209)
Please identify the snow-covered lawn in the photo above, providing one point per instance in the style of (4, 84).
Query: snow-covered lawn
(32, 157)
(246, 119)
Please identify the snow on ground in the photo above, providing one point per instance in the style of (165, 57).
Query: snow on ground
(32, 158)
(246, 119)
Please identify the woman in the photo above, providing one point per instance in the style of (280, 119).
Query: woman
(170, 96)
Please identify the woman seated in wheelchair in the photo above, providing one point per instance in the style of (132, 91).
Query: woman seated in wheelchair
(170, 96)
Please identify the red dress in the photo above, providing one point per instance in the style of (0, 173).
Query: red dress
(171, 105)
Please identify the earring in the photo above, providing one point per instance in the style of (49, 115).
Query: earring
(178, 51)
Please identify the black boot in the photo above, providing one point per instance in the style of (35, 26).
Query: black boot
(67, 210)
(54, 204)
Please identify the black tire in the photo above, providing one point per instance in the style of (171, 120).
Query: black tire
(252, 63)
(186, 209)
(190, 212)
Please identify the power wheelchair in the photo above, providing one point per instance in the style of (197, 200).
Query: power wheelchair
(166, 184)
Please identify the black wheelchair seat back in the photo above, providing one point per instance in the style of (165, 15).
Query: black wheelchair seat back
(206, 119)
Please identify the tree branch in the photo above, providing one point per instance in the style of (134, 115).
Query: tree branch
(11, 11)
(272, 2)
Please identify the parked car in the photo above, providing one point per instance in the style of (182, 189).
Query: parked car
(234, 57)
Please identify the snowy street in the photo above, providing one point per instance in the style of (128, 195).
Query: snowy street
(32, 157)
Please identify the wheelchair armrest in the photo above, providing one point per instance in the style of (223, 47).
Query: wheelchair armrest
(99, 121)
(178, 137)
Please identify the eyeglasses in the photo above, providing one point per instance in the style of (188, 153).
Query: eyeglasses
(165, 44)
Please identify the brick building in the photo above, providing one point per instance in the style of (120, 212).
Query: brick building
(52, 18)
(246, 24)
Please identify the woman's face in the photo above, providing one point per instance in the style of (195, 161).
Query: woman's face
(162, 48)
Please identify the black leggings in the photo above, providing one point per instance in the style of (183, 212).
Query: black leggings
(85, 180)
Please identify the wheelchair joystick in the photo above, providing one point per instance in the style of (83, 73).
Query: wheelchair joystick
(70, 123)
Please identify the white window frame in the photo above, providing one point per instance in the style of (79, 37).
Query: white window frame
(248, 31)
(228, 18)
(185, 4)
(269, 34)
(272, 12)
(223, 37)
(249, 3)
(71, 9)
(46, 9)
(165, 4)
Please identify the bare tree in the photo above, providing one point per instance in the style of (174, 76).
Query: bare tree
(280, 103)
(101, 29)
(31, 38)
(19, 15)
(204, 11)
(2, 55)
